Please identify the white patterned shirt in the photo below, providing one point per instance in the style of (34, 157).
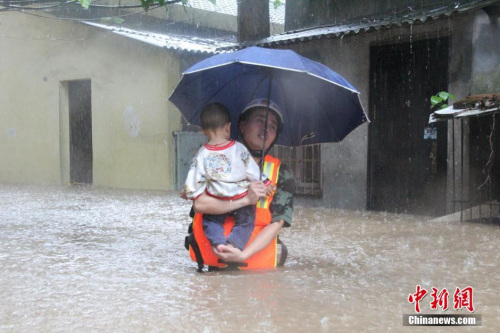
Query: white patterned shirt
(223, 172)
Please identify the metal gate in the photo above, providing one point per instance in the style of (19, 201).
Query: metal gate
(186, 147)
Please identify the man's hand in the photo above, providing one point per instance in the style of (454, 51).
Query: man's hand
(256, 190)
(270, 189)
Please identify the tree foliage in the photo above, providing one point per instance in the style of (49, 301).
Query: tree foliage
(85, 3)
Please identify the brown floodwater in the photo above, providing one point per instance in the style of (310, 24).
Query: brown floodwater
(84, 259)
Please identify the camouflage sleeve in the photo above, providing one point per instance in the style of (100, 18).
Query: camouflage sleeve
(282, 204)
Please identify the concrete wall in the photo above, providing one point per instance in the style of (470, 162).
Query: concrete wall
(37, 57)
(486, 56)
(345, 164)
(474, 69)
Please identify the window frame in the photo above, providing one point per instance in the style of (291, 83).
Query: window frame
(305, 163)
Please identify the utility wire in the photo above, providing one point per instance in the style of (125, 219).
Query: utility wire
(28, 5)
(40, 8)
(29, 10)
(84, 19)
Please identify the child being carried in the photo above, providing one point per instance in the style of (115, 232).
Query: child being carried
(223, 168)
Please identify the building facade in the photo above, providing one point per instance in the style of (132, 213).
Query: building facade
(398, 55)
(73, 92)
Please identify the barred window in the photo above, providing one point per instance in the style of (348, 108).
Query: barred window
(305, 162)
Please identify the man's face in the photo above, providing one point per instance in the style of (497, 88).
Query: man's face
(253, 129)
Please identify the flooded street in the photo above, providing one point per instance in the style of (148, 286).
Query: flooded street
(84, 259)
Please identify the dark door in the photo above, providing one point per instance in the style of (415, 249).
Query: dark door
(407, 173)
(80, 119)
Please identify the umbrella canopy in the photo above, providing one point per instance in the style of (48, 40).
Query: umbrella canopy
(317, 104)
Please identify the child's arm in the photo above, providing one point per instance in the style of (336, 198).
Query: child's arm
(253, 172)
(206, 204)
(252, 169)
(195, 183)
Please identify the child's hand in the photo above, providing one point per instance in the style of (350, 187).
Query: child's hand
(183, 194)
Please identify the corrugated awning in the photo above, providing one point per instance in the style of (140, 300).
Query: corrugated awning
(409, 17)
(170, 41)
(203, 45)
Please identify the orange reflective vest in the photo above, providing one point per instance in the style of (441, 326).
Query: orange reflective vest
(264, 259)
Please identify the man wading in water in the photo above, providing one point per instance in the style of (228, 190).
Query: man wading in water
(272, 214)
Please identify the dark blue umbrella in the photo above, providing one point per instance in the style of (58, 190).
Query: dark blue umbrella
(318, 105)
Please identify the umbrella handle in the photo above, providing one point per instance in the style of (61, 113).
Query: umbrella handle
(265, 123)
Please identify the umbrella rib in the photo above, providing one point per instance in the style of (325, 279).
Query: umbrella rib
(299, 71)
(208, 68)
(275, 67)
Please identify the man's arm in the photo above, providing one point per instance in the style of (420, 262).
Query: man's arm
(261, 241)
(281, 209)
(206, 204)
(282, 205)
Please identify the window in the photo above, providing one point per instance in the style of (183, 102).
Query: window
(305, 162)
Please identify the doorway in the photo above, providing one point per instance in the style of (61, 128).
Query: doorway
(80, 131)
(407, 169)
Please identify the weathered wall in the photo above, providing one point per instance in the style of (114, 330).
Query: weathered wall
(486, 56)
(474, 69)
(345, 164)
(37, 56)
